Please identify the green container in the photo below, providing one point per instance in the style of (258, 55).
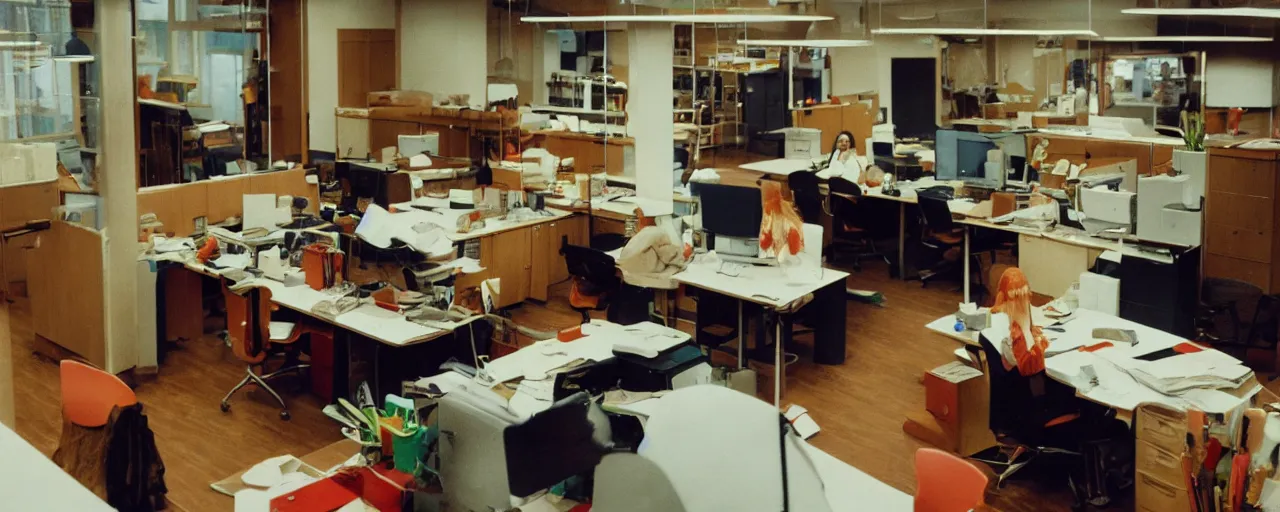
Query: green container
(409, 449)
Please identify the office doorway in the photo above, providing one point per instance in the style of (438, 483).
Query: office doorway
(914, 100)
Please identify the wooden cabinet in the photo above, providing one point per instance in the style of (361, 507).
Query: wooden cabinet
(528, 260)
(509, 259)
(1241, 216)
(541, 256)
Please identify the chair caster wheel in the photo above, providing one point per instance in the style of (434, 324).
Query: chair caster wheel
(284, 415)
(225, 406)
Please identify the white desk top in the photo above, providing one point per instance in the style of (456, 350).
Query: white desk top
(448, 219)
(388, 327)
(848, 489)
(1072, 237)
(1119, 390)
(779, 167)
(30, 481)
(767, 286)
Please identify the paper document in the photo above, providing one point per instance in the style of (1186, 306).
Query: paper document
(260, 211)
(802, 421)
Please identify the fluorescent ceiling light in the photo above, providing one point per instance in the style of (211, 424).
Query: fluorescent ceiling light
(940, 31)
(676, 18)
(1184, 39)
(808, 43)
(1246, 12)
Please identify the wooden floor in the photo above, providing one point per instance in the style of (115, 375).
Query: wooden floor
(859, 405)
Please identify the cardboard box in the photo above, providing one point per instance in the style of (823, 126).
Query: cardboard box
(399, 99)
(993, 111)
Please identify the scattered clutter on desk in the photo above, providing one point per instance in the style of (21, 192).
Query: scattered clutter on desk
(971, 317)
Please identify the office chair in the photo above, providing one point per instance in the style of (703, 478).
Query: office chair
(254, 338)
(89, 394)
(854, 224)
(807, 197)
(595, 278)
(947, 483)
(1035, 416)
(1236, 315)
(942, 236)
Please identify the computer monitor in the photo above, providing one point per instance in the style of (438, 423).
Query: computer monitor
(971, 158)
(884, 149)
(728, 210)
(963, 156)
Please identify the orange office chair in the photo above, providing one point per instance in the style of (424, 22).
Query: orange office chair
(254, 337)
(89, 394)
(946, 483)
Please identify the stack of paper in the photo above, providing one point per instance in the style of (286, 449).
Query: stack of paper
(1207, 369)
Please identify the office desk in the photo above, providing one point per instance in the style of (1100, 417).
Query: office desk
(1064, 362)
(779, 167)
(769, 288)
(847, 488)
(1060, 235)
(30, 481)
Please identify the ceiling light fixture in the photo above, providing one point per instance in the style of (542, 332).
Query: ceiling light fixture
(807, 43)
(1242, 12)
(1183, 39)
(940, 31)
(677, 18)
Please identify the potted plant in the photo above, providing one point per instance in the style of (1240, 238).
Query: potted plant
(1192, 159)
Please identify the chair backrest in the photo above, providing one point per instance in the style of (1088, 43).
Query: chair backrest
(89, 394)
(804, 189)
(947, 483)
(843, 186)
(1021, 405)
(248, 323)
(936, 213)
(591, 265)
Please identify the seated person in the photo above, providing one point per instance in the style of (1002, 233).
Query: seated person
(843, 160)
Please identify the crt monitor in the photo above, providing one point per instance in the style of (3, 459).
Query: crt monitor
(728, 210)
(971, 158)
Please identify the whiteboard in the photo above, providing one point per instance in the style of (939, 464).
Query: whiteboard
(1239, 82)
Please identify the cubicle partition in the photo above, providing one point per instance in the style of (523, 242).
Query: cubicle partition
(178, 206)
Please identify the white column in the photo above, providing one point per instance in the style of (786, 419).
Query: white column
(119, 182)
(649, 112)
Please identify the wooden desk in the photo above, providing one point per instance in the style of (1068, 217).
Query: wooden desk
(770, 288)
(590, 153)
(525, 255)
(20, 204)
(1064, 362)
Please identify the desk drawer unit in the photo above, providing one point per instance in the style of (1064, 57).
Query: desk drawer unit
(1241, 217)
(1152, 494)
(1159, 463)
(1161, 428)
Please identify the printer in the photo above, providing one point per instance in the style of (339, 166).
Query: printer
(1169, 210)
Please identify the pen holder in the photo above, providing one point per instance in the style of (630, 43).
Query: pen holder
(409, 448)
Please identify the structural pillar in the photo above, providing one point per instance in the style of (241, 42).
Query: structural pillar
(649, 113)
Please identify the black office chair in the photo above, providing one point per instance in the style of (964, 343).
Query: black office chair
(1236, 316)
(942, 236)
(855, 223)
(808, 199)
(594, 276)
(1034, 417)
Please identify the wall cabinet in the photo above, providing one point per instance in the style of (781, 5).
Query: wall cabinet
(1241, 215)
